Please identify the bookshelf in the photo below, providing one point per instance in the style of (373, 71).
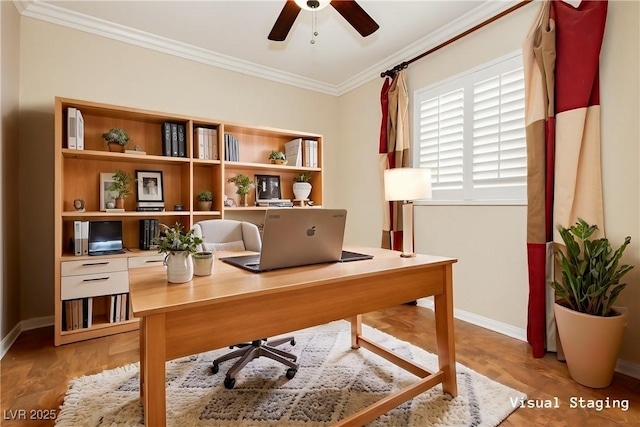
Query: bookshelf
(77, 175)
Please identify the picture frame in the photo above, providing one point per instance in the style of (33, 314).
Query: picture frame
(107, 198)
(150, 187)
(268, 187)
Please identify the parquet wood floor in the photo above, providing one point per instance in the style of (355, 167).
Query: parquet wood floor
(34, 373)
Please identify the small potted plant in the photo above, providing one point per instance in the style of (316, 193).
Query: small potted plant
(590, 327)
(243, 186)
(116, 139)
(302, 187)
(278, 157)
(205, 200)
(120, 185)
(179, 247)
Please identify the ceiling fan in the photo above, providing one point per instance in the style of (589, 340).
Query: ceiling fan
(349, 9)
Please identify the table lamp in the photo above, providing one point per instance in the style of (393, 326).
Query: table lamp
(407, 185)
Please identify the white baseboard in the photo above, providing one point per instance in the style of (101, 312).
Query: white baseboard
(25, 325)
(622, 366)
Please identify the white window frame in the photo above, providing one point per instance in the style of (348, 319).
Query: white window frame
(515, 195)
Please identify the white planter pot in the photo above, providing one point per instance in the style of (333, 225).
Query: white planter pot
(179, 267)
(591, 344)
(203, 263)
(301, 190)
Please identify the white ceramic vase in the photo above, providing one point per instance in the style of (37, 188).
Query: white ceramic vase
(179, 267)
(301, 190)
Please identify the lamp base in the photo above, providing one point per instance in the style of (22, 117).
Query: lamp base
(407, 255)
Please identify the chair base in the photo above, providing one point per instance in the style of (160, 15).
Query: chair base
(248, 352)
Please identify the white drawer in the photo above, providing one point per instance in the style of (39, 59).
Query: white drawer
(146, 261)
(90, 266)
(92, 285)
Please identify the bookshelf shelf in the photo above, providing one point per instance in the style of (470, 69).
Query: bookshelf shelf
(77, 175)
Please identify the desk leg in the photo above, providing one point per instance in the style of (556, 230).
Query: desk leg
(356, 330)
(142, 353)
(154, 350)
(445, 335)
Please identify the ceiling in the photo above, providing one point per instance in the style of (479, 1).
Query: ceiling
(233, 34)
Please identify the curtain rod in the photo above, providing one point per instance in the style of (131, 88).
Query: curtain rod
(391, 72)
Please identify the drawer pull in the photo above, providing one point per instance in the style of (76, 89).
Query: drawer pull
(97, 279)
(90, 264)
(155, 260)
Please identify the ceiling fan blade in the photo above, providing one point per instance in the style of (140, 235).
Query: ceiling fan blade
(356, 16)
(285, 21)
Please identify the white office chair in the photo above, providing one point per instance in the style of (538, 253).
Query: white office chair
(230, 235)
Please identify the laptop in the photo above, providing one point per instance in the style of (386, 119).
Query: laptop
(294, 237)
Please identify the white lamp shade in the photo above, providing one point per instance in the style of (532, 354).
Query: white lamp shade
(407, 184)
(303, 4)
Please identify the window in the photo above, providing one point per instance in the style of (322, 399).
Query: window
(470, 131)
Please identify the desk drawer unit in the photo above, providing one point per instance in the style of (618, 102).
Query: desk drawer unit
(93, 285)
(146, 261)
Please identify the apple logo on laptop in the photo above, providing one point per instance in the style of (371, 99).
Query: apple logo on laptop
(311, 231)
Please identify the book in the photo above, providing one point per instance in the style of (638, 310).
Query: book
(314, 153)
(166, 139)
(307, 153)
(154, 233)
(182, 141)
(67, 316)
(200, 144)
(142, 230)
(213, 144)
(174, 139)
(77, 238)
(293, 152)
(112, 308)
(85, 237)
(123, 307)
(114, 210)
(72, 128)
(75, 314)
(79, 130)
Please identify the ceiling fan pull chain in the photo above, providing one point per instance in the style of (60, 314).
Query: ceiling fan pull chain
(314, 25)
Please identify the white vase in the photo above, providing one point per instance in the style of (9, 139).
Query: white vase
(301, 190)
(179, 267)
(203, 263)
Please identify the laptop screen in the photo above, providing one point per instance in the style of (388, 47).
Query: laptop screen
(105, 237)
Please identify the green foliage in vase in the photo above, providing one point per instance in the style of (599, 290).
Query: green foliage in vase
(116, 136)
(302, 177)
(243, 183)
(204, 196)
(175, 239)
(120, 184)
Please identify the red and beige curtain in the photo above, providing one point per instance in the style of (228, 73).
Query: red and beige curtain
(561, 59)
(393, 150)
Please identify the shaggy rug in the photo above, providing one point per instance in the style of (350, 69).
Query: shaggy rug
(333, 382)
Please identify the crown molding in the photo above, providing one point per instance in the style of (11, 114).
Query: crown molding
(51, 13)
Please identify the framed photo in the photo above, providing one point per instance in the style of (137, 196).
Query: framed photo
(107, 198)
(150, 187)
(268, 187)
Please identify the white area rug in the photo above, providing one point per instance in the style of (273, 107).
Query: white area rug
(333, 382)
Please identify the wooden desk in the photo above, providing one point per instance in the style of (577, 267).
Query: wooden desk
(211, 312)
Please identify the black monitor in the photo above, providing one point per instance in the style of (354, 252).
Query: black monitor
(105, 237)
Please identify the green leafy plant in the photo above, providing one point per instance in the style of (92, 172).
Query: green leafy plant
(302, 177)
(242, 182)
(204, 196)
(120, 184)
(175, 239)
(277, 155)
(590, 270)
(116, 136)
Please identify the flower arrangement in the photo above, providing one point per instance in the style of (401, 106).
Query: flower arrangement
(116, 136)
(174, 239)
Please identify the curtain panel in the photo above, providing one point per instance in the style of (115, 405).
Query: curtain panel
(393, 150)
(564, 179)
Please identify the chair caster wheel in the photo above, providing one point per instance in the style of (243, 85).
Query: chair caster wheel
(215, 368)
(291, 373)
(292, 342)
(229, 383)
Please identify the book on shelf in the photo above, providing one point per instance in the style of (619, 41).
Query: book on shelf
(293, 152)
(310, 149)
(200, 143)
(166, 139)
(114, 210)
(182, 141)
(85, 237)
(212, 148)
(275, 203)
(231, 148)
(77, 238)
(72, 128)
(79, 130)
(174, 139)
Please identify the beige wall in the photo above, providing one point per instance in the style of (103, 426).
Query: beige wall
(57, 61)
(9, 77)
(489, 241)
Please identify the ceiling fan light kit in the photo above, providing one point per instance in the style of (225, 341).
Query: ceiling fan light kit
(349, 9)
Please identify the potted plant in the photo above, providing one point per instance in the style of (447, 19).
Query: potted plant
(120, 185)
(278, 157)
(205, 200)
(179, 247)
(302, 186)
(116, 139)
(243, 186)
(590, 327)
